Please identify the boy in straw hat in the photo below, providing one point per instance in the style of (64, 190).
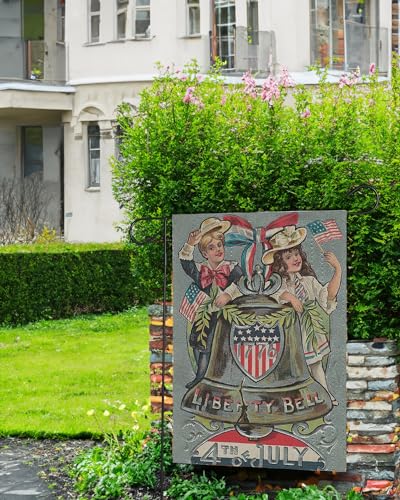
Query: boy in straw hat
(299, 284)
(215, 272)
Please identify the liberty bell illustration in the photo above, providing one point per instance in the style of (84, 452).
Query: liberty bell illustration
(257, 376)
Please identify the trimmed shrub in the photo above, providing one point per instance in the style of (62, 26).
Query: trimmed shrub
(195, 145)
(55, 281)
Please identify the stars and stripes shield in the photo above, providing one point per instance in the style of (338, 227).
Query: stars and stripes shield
(257, 348)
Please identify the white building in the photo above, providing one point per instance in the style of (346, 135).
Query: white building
(65, 65)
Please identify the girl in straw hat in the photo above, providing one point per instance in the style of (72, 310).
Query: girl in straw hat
(299, 285)
(215, 272)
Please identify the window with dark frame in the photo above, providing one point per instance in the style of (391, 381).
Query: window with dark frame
(94, 21)
(32, 150)
(93, 132)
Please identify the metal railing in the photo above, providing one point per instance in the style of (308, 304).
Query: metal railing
(351, 47)
(248, 50)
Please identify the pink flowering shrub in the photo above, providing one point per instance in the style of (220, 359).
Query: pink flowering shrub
(198, 145)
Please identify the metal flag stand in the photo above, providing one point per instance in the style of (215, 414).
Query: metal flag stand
(163, 239)
(358, 189)
(147, 241)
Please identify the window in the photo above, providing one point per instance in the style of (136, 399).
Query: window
(122, 8)
(252, 22)
(132, 19)
(224, 28)
(93, 132)
(32, 150)
(142, 18)
(61, 20)
(94, 21)
(345, 35)
(193, 17)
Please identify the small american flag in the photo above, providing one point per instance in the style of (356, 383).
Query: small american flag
(325, 231)
(192, 300)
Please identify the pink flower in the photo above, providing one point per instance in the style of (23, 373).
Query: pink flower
(249, 85)
(189, 95)
(348, 80)
(344, 80)
(285, 80)
(200, 78)
(270, 90)
(223, 99)
(306, 113)
(182, 77)
(189, 98)
(372, 69)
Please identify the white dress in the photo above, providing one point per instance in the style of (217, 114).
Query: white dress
(316, 347)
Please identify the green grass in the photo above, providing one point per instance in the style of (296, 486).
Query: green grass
(53, 372)
(58, 247)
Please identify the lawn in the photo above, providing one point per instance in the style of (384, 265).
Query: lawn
(53, 372)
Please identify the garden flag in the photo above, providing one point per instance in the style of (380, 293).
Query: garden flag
(259, 353)
(325, 231)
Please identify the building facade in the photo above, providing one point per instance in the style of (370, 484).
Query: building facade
(66, 65)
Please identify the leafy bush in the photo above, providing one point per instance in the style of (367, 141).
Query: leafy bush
(198, 487)
(114, 469)
(59, 280)
(195, 145)
(111, 470)
(314, 493)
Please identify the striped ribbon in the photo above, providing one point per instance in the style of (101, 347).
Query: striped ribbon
(299, 290)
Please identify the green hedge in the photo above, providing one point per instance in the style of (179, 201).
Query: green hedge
(197, 146)
(55, 281)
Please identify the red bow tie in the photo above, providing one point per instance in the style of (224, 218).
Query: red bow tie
(220, 276)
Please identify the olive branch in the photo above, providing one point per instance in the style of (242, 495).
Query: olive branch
(284, 318)
(233, 314)
(203, 316)
(314, 322)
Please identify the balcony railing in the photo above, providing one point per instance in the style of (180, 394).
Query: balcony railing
(355, 46)
(31, 60)
(245, 50)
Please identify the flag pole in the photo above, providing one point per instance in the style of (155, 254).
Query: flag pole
(319, 246)
(164, 242)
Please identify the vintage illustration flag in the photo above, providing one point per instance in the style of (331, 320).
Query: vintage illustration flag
(243, 387)
(325, 231)
(191, 301)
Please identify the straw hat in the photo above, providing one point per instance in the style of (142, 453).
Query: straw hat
(214, 224)
(287, 237)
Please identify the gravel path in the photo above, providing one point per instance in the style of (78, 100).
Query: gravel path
(33, 469)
